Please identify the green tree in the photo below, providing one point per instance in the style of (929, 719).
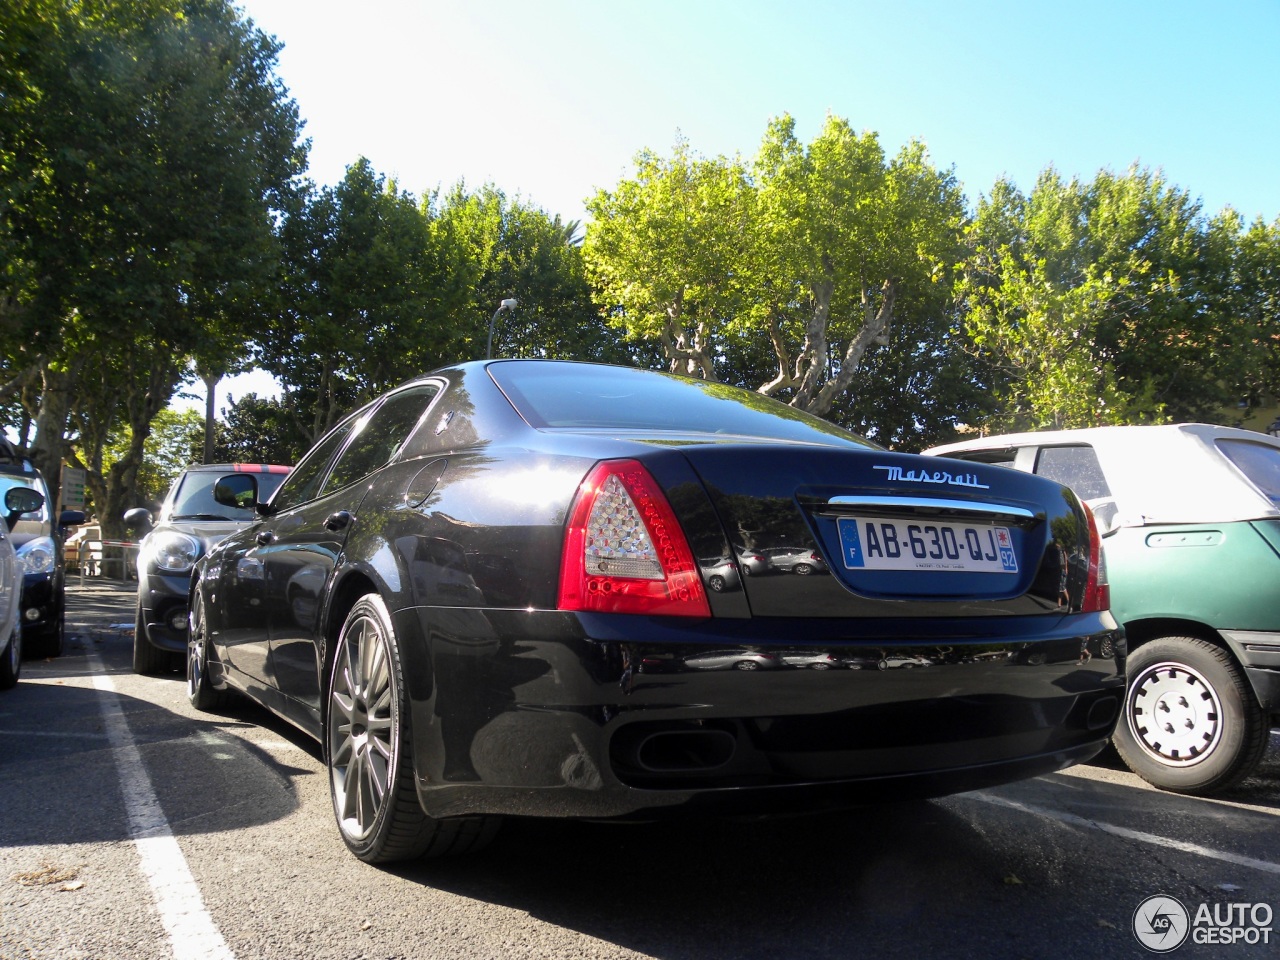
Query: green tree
(1107, 302)
(140, 175)
(259, 430)
(664, 251)
(369, 298)
(783, 276)
(509, 249)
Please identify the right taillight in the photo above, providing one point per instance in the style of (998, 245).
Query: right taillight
(624, 551)
(1097, 591)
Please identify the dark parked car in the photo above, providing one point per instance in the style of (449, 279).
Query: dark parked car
(38, 539)
(356, 608)
(191, 521)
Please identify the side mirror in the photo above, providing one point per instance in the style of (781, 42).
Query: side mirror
(1106, 513)
(70, 518)
(20, 500)
(139, 518)
(238, 490)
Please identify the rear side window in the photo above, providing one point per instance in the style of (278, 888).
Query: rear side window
(1075, 467)
(377, 437)
(1257, 461)
(302, 485)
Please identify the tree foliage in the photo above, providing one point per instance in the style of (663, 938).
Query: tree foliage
(792, 265)
(1114, 301)
(367, 299)
(148, 147)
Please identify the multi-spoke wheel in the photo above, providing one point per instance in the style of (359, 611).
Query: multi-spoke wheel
(368, 748)
(1191, 722)
(200, 691)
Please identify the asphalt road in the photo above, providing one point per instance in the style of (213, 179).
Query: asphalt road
(133, 827)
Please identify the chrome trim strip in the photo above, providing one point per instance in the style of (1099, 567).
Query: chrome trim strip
(934, 503)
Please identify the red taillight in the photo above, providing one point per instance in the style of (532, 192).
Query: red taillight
(1097, 591)
(624, 551)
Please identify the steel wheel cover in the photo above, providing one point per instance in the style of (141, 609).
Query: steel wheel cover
(1174, 714)
(363, 728)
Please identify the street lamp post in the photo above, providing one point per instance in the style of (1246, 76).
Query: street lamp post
(508, 304)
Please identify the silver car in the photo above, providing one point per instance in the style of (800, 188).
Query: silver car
(17, 501)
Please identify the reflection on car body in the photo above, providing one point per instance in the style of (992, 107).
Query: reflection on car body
(508, 611)
(798, 560)
(733, 660)
(810, 660)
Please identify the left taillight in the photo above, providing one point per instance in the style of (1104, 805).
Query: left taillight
(1097, 590)
(624, 551)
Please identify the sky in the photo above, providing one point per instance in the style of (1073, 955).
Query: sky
(550, 100)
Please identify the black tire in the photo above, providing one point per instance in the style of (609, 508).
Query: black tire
(368, 747)
(716, 583)
(11, 660)
(803, 569)
(1212, 732)
(746, 665)
(200, 692)
(147, 660)
(819, 666)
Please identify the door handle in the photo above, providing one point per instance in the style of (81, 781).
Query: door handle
(336, 521)
(264, 537)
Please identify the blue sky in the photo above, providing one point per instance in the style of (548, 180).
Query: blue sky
(551, 99)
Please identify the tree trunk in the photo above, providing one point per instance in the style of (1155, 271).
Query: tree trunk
(48, 446)
(210, 386)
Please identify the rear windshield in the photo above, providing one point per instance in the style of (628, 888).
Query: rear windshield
(550, 394)
(1259, 462)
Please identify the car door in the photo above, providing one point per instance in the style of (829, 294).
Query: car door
(242, 631)
(306, 542)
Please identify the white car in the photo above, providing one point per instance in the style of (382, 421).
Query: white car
(1190, 519)
(17, 501)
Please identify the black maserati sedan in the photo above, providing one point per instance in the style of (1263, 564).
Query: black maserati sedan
(481, 594)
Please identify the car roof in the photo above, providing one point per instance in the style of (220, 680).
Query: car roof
(237, 468)
(1171, 473)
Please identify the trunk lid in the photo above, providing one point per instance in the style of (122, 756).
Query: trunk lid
(854, 533)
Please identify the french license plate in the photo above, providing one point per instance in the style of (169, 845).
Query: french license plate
(878, 543)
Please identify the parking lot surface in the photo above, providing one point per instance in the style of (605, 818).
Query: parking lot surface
(135, 827)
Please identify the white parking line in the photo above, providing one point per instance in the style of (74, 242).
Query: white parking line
(1151, 838)
(191, 929)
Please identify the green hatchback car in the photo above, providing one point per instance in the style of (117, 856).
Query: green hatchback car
(1190, 518)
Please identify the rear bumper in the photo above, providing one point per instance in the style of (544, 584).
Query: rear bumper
(618, 717)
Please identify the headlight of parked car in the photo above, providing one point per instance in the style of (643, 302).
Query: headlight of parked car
(37, 556)
(172, 552)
